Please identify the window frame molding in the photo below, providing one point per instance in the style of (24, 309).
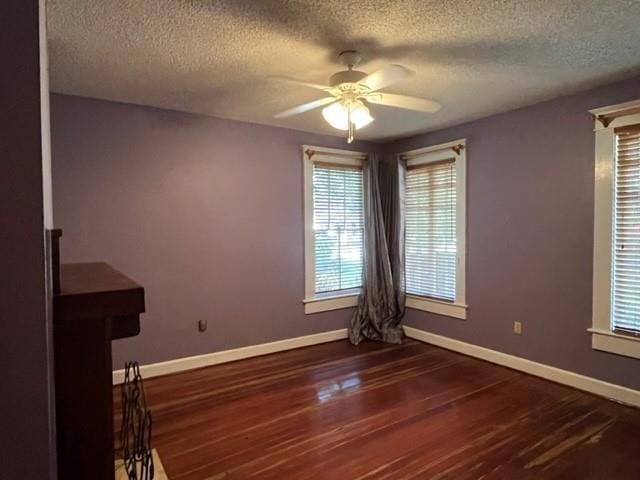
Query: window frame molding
(606, 119)
(457, 150)
(315, 303)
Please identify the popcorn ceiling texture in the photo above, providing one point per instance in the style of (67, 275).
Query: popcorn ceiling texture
(214, 57)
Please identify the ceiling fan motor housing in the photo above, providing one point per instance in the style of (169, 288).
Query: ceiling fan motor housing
(346, 76)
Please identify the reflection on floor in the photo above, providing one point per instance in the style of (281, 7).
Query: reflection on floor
(376, 411)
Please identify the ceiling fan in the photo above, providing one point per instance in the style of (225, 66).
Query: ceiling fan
(352, 90)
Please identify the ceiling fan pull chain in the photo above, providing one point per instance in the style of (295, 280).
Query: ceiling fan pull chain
(350, 124)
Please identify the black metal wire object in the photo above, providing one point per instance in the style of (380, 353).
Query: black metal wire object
(135, 434)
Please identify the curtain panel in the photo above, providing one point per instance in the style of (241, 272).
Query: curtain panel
(381, 303)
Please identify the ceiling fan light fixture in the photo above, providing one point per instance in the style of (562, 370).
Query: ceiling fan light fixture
(360, 116)
(337, 115)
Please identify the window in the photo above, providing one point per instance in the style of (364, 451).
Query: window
(435, 224)
(431, 230)
(616, 268)
(334, 228)
(625, 308)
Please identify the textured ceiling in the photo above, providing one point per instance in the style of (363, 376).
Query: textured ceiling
(214, 57)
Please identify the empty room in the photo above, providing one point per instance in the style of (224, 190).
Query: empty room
(300, 239)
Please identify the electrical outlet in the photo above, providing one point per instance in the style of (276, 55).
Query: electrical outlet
(517, 328)
(202, 325)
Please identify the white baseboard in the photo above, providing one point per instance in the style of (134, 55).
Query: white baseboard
(565, 377)
(198, 361)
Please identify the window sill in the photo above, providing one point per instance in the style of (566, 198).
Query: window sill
(325, 304)
(611, 342)
(454, 310)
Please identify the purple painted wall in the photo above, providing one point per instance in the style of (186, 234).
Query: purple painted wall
(530, 234)
(206, 213)
(26, 413)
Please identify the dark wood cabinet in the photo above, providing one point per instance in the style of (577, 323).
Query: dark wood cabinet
(95, 305)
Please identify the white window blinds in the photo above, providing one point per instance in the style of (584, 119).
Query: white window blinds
(430, 243)
(338, 227)
(625, 308)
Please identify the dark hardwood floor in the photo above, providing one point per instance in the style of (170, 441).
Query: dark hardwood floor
(376, 411)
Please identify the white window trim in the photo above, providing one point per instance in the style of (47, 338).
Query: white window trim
(422, 156)
(314, 303)
(602, 336)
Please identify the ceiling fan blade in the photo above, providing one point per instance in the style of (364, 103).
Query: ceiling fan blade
(305, 107)
(386, 76)
(317, 86)
(404, 101)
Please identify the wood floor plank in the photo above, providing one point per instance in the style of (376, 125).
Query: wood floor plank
(380, 411)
